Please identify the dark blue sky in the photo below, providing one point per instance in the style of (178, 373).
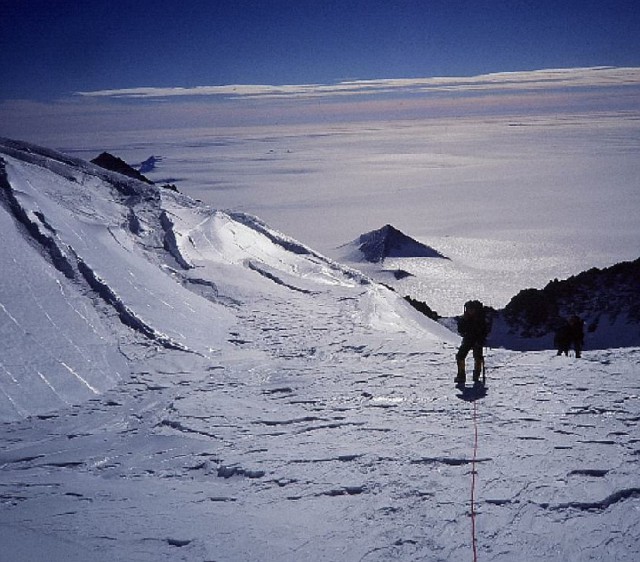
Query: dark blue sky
(51, 49)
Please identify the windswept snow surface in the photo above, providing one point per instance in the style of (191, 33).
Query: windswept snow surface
(253, 400)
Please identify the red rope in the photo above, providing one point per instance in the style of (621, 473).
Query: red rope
(474, 540)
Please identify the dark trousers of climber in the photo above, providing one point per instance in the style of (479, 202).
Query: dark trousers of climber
(466, 346)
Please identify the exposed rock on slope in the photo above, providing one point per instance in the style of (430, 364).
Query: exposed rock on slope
(149, 165)
(115, 164)
(389, 242)
(608, 300)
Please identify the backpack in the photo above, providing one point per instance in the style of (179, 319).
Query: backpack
(474, 305)
(482, 321)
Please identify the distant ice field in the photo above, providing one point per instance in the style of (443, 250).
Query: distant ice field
(488, 269)
(513, 202)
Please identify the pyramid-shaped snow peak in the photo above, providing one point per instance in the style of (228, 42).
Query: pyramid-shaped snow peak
(389, 242)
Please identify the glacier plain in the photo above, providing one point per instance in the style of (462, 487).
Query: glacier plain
(211, 389)
(513, 201)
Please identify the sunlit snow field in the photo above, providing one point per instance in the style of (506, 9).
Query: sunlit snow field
(514, 202)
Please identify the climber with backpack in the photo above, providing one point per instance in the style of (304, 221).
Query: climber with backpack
(474, 327)
(570, 332)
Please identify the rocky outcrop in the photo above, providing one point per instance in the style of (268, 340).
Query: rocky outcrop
(389, 242)
(115, 164)
(608, 300)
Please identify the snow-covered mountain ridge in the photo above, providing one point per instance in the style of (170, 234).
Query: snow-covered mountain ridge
(112, 253)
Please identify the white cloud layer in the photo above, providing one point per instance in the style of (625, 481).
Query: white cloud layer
(503, 81)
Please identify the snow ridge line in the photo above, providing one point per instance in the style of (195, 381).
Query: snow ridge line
(171, 242)
(45, 236)
(602, 505)
(126, 315)
(46, 158)
(45, 239)
(296, 247)
(254, 267)
(281, 240)
(61, 163)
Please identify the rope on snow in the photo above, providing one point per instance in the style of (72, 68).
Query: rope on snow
(474, 540)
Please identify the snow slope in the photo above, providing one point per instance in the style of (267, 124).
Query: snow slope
(181, 383)
(150, 260)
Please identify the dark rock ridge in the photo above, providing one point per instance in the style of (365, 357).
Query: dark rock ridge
(115, 164)
(389, 242)
(608, 300)
(423, 307)
(400, 273)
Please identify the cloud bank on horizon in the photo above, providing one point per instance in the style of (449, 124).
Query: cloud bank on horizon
(97, 66)
(536, 80)
(527, 93)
